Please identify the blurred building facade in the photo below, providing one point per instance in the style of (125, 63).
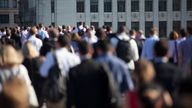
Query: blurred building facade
(9, 13)
(167, 15)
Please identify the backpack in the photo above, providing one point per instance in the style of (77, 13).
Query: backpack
(123, 50)
(55, 87)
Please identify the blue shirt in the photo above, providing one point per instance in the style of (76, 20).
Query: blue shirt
(119, 70)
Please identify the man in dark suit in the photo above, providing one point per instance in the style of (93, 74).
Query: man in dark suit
(167, 74)
(90, 84)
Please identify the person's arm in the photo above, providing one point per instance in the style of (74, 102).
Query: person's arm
(49, 61)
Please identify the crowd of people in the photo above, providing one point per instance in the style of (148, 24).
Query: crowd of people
(84, 67)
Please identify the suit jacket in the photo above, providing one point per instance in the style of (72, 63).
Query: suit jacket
(88, 86)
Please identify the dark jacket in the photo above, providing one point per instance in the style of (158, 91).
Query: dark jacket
(90, 85)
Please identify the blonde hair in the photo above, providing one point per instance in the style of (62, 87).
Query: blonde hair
(29, 51)
(9, 56)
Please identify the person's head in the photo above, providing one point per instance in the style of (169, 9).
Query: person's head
(40, 25)
(8, 32)
(63, 41)
(53, 33)
(185, 94)
(9, 57)
(13, 31)
(103, 47)
(173, 35)
(189, 30)
(109, 29)
(85, 49)
(33, 31)
(161, 48)
(144, 72)
(122, 29)
(154, 96)
(75, 37)
(29, 51)
(14, 94)
(132, 32)
(100, 33)
(183, 33)
(153, 31)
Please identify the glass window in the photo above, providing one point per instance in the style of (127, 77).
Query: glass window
(95, 24)
(4, 18)
(121, 24)
(135, 25)
(148, 5)
(80, 6)
(108, 24)
(16, 18)
(189, 23)
(107, 6)
(4, 4)
(177, 26)
(148, 26)
(134, 5)
(162, 5)
(14, 3)
(162, 29)
(52, 6)
(121, 5)
(189, 5)
(94, 6)
(176, 5)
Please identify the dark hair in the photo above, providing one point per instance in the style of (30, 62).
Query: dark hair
(100, 33)
(183, 33)
(153, 31)
(131, 32)
(83, 47)
(173, 35)
(122, 29)
(104, 45)
(64, 41)
(161, 48)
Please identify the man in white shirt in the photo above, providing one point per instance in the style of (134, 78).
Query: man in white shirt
(66, 59)
(90, 37)
(122, 35)
(147, 52)
(35, 41)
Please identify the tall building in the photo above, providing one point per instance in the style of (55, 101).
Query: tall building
(9, 13)
(167, 15)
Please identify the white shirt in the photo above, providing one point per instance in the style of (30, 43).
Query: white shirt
(66, 60)
(43, 34)
(133, 45)
(148, 50)
(93, 39)
(36, 42)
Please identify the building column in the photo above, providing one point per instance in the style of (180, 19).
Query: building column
(101, 12)
(183, 14)
(87, 12)
(142, 15)
(114, 12)
(128, 13)
(169, 18)
(156, 13)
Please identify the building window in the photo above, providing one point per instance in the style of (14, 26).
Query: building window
(107, 6)
(121, 5)
(148, 5)
(108, 24)
(121, 24)
(4, 4)
(4, 18)
(94, 6)
(95, 24)
(148, 26)
(134, 5)
(162, 5)
(52, 6)
(135, 25)
(189, 23)
(80, 6)
(16, 19)
(176, 5)
(14, 3)
(177, 26)
(189, 5)
(162, 29)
